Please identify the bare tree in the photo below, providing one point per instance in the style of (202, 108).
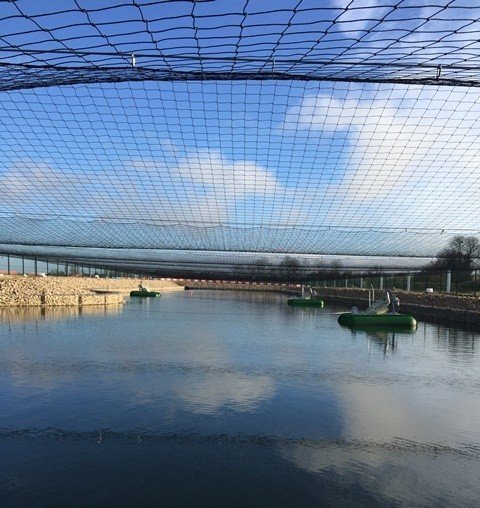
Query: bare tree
(289, 269)
(334, 270)
(461, 256)
(461, 253)
(259, 270)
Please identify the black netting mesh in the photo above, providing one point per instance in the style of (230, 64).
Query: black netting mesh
(157, 128)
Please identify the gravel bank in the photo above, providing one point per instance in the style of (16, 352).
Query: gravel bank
(18, 291)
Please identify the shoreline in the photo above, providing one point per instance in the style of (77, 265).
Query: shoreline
(437, 308)
(18, 291)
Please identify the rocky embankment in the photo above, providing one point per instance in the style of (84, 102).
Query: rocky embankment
(18, 291)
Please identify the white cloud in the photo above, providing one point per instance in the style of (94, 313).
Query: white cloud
(228, 179)
(202, 185)
(168, 147)
(408, 150)
(364, 14)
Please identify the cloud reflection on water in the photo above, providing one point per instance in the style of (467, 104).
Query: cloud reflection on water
(407, 474)
(207, 393)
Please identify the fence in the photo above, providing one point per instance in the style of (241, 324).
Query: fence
(18, 265)
(446, 281)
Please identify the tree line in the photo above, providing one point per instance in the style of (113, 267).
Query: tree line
(461, 256)
(293, 269)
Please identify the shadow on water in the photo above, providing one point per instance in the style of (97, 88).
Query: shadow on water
(386, 337)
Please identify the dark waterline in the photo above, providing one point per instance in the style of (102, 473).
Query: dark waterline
(222, 398)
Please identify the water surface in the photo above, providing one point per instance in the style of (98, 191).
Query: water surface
(231, 398)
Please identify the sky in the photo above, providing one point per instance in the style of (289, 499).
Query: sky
(318, 167)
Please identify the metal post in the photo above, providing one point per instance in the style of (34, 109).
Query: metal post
(36, 266)
(23, 265)
(58, 268)
(409, 282)
(361, 282)
(346, 283)
(381, 282)
(8, 264)
(475, 283)
(449, 281)
(66, 268)
(47, 266)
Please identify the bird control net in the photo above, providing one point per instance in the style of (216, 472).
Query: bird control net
(173, 130)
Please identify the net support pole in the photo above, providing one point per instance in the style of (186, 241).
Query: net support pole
(449, 281)
(409, 282)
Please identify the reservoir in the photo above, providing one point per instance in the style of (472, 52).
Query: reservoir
(234, 399)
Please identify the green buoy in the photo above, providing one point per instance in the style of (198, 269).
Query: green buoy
(145, 294)
(305, 302)
(404, 320)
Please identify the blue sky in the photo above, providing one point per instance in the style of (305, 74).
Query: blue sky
(285, 166)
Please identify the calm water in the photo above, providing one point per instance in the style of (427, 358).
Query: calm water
(234, 399)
